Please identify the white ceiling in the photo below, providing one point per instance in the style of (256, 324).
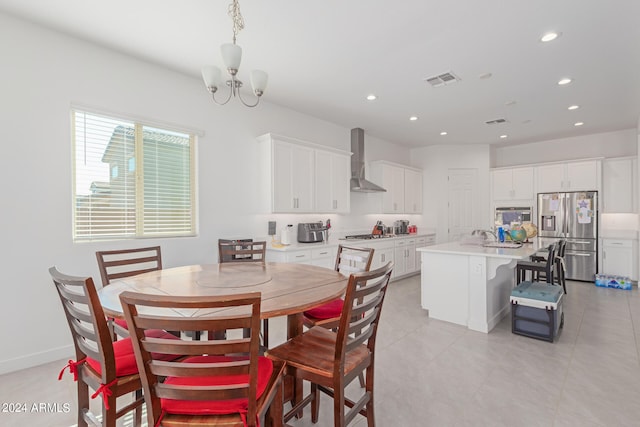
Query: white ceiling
(324, 57)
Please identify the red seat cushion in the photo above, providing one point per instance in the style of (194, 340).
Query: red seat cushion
(125, 358)
(326, 311)
(121, 322)
(210, 407)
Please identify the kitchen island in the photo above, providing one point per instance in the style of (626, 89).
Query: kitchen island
(470, 285)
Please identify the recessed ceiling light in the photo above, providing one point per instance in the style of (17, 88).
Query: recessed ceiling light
(510, 103)
(503, 136)
(564, 81)
(573, 107)
(485, 76)
(578, 124)
(550, 36)
(413, 118)
(443, 133)
(371, 97)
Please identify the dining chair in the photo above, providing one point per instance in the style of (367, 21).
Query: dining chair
(348, 260)
(330, 360)
(220, 381)
(244, 250)
(121, 263)
(560, 269)
(539, 270)
(105, 366)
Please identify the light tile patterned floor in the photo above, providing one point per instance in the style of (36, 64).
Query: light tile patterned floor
(431, 373)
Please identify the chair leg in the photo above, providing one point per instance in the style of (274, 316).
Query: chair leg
(109, 415)
(338, 405)
(369, 409)
(315, 403)
(361, 378)
(83, 402)
(265, 333)
(138, 411)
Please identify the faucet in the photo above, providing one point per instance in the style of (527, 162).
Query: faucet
(485, 234)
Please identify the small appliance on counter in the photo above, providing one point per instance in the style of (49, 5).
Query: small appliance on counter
(285, 236)
(311, 232)
(401, 227)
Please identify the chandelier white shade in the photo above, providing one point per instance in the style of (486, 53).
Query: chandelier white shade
(232, 56)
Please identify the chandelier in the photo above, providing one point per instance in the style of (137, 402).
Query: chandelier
(231, 56)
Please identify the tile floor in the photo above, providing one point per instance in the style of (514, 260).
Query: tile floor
(431, 373)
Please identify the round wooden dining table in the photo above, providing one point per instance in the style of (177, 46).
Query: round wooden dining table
(288, 289)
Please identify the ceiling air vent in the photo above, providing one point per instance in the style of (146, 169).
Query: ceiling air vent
(495, 122)
(442, 79)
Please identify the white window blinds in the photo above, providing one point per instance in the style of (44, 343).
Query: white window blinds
(131, 180)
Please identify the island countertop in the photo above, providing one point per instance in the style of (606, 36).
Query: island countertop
(457, 248)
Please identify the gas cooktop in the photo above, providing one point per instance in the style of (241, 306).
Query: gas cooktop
(367, 236)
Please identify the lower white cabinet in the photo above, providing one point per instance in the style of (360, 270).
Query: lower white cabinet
(324, 256)
(619, 256)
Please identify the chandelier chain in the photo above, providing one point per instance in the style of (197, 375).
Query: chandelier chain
(236, 17)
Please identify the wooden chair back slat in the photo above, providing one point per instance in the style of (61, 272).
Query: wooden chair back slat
(154, 372)
(161, 368)
(121, 263)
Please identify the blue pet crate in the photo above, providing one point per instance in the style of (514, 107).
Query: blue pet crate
(536, 310)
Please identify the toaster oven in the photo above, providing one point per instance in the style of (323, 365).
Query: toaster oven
(311, 232)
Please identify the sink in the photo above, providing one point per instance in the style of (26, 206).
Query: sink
(512, 245)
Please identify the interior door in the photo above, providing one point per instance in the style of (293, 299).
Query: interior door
(462, 202)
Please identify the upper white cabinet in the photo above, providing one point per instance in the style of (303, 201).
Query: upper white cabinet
(619, 185)
(332, 174)
(572, 176)
(512, 184)
(403, 185)
(412, 191)
(303, 177)
(292, 178)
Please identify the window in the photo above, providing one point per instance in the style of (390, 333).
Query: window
(131, 180)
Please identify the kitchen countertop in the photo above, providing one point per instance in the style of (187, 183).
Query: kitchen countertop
(333, 242)
(457, 248)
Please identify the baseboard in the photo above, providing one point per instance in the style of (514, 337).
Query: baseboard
(35, 359)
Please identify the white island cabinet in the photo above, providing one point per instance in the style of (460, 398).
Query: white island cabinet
(469, 285)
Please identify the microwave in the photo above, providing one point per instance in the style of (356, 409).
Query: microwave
(504, 216)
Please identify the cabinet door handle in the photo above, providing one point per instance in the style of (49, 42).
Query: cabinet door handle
(299, 256)
(382, 257)
(323, 253)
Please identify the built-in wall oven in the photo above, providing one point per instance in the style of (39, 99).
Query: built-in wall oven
(504, 216)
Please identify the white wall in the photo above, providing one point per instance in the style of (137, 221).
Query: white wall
(610, 144)
(43, 74)
(435, 162)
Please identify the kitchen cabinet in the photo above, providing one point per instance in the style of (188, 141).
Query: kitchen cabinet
(292, 178)
(619, 185)
(320, 255)
(383, 252)
(403, 185)
(302, 177)
(618, 257)
(332, 174)
(404, 257)
(512, 184)
(412, 191)
(571, 176)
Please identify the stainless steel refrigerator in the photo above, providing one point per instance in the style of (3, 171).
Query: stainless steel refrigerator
(574, 217)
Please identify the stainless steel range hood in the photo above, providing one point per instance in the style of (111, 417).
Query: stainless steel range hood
(358, 182)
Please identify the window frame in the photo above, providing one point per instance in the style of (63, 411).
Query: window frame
(138, 129)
